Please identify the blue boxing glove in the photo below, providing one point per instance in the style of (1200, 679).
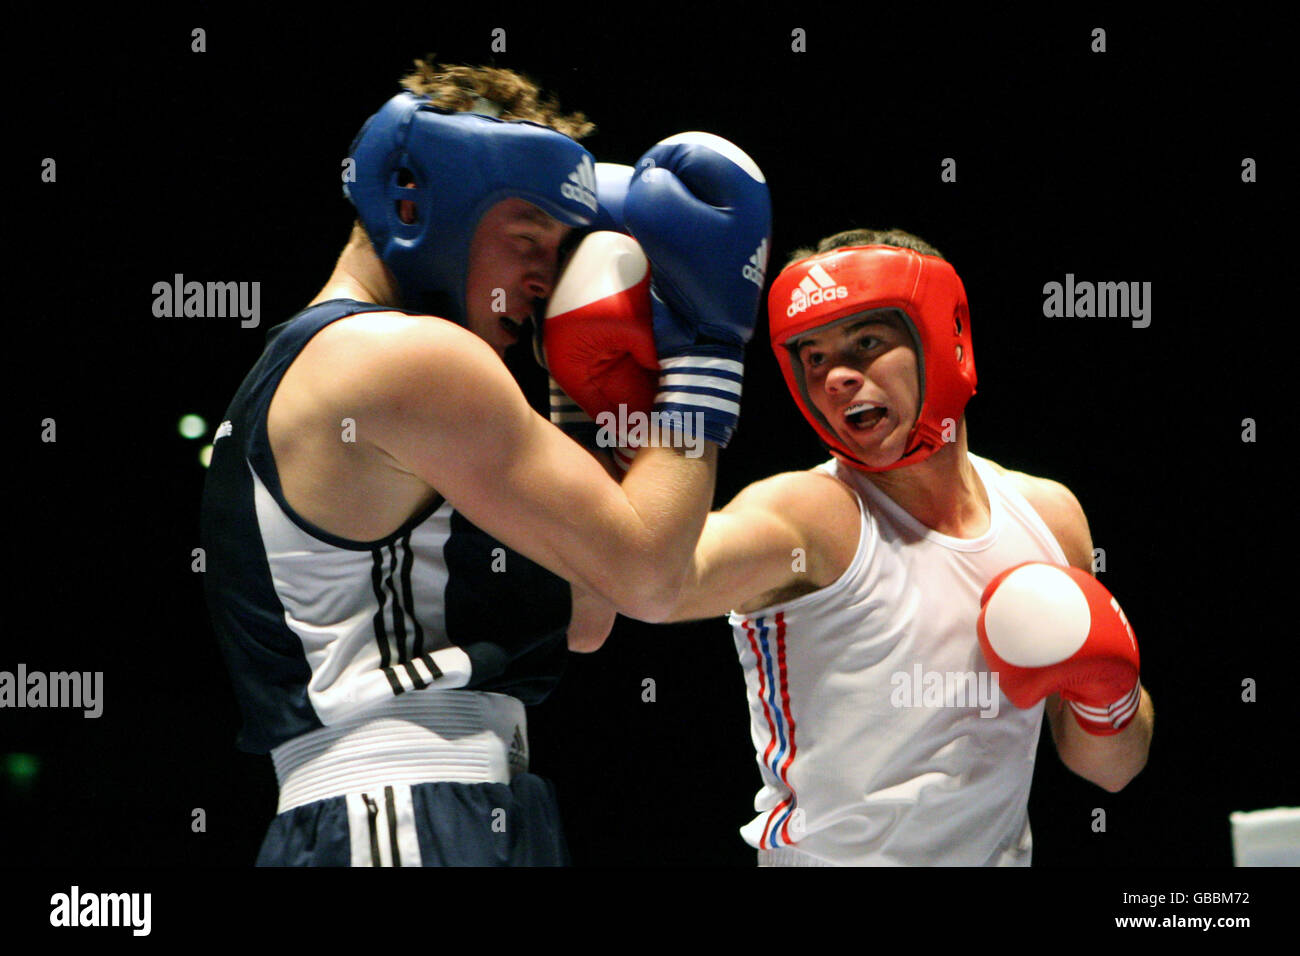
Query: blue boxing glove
(700, 209)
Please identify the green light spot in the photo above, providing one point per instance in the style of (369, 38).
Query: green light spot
(21, 768)
(192, 426)
(205, 455)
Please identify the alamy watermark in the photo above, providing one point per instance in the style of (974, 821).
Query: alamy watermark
(76, 689)
(637, 429)
(920, 688)
(208, 300)
(76, 908)
(1098, 300)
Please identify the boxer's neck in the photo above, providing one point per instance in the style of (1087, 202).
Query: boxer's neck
(359, 274)
(944, 492)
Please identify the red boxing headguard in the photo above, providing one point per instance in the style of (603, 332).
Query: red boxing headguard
(832, 287)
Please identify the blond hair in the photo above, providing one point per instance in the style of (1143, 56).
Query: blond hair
(463, 88)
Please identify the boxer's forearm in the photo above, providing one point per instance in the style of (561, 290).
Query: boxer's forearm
(1109, 762)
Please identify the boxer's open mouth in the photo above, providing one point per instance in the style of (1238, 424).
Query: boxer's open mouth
(863, 416)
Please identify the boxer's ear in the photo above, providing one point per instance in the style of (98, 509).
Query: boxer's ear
(406, 208)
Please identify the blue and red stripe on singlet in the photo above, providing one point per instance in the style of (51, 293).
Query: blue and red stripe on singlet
(771, 675)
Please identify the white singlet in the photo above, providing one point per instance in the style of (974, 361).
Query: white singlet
(880, 735)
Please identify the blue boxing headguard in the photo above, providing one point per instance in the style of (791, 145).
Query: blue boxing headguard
(459, 165)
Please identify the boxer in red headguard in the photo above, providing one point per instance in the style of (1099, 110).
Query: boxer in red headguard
(885, 601)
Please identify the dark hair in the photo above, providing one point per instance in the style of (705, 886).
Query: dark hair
(868, 237)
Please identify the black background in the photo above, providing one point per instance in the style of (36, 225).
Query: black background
(224, 165)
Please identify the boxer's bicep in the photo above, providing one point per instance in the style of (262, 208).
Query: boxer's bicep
(447, 409)
(765, 542)
(743, 554)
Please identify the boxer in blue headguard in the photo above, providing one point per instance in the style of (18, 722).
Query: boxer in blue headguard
(399, 549)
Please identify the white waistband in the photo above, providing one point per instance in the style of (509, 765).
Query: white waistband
(458, 735)
(789, 856)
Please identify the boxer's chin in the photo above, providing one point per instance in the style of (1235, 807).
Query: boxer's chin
(878, 446)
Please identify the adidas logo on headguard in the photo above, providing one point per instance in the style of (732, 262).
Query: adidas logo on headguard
(814, 289)
(581, 186)
(756, 270)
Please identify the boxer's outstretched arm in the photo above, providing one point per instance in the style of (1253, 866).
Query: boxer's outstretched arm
(775, 540)
(437, 401)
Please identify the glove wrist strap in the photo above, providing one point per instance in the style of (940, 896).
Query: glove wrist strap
(704, 385)
(1111, 719)
(568, 417)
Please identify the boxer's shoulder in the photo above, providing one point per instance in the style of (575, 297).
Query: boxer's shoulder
(356, 381)
(354, 350)
(1060, 510)
(389, 365)
(822, 511)
(810, 497)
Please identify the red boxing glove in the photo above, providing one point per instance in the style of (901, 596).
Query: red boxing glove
(598, 334)
(1049, 629)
